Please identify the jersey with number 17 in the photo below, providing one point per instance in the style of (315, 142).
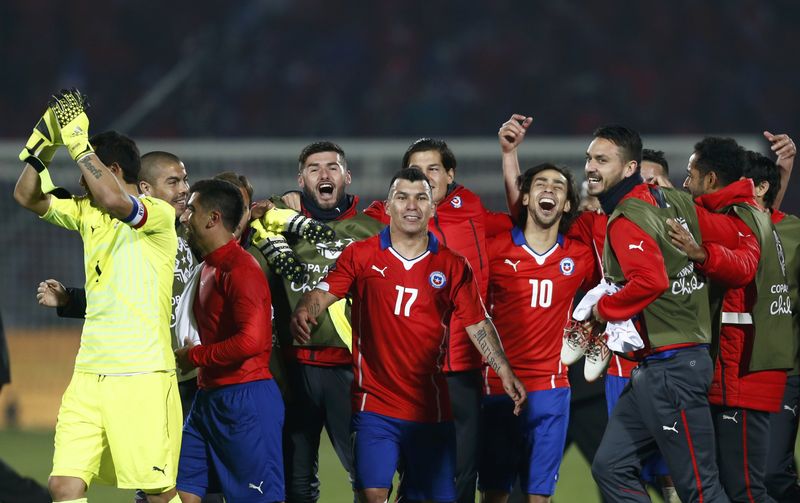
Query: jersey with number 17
(400, 317)
(530, 299)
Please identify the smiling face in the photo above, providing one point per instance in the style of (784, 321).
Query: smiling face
(430, 163)
(324, 178)
(547, 198)
(410, 206)
(171, 184)
(696, 183)
(195, 219)
(605, 166)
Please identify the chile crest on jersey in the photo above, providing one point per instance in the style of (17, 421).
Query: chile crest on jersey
(567, 266)
(437, 279)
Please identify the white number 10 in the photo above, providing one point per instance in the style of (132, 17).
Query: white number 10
(401, 291)
(542, 292)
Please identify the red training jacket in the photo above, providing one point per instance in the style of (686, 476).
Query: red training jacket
(233, 313)
(733, 384)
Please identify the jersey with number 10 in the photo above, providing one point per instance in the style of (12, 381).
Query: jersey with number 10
(530, 299)
(400, 317)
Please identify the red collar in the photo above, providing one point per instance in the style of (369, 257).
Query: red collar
(219, 255)
(740, 191)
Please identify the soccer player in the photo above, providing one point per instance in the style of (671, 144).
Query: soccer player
(319, 373)
(163, 176)
(232, 437)
(459, 223)
(590, 229)
(664, 408)
(781, 471)
(534, 274)
(654, 165)
(405, 288)
(124, 366)
(756, 323)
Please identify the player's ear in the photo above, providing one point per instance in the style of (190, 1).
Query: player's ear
(762, 188)
(386, 206)
(567, 206)
(525, 199)
(214, 217)
(145, 188)
(631, 168)
(347, 177)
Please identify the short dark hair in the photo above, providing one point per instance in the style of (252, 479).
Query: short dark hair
(316, 148)
(761, 168)
(221, 196)
(427, 144)
(628, 141)
(723, 156)
(525, 180)
(656, 156)
(240, 181)
(151, 160)
(410, 174)
(112, 147)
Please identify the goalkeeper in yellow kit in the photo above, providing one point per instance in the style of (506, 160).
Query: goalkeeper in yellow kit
(125, 364)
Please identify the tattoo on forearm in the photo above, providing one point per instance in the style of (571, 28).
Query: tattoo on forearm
(91, 168)
(489, 346)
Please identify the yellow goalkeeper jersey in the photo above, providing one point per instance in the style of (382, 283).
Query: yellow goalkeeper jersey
(129, 275)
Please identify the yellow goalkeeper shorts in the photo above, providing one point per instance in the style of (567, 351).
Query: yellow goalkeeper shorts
(120, 430)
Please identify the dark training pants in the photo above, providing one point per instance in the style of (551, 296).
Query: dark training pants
(320, 398)
(465, 400)
(742, 443)
(665, 407)
(781, 477)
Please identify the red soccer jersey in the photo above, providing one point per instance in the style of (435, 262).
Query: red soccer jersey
(401, 311)
(590, 229)
(530, 299)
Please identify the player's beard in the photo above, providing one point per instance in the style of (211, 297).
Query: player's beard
(545, 222)
(311, 195)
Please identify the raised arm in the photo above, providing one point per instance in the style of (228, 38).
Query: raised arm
(38, 151)
(310, 307)
(510, 135)
(69, 108)
(784, 148)
(484, 337)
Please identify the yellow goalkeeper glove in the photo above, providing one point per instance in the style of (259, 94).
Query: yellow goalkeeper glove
(277, 220)
(44, 140)
(69, 108)
(40, 149)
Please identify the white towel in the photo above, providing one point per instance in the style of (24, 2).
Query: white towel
(185, 324)
(584, 309)
(622, 335)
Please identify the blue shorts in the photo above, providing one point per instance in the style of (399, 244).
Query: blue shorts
(232, 443)
(655, 465)
(427, 451)
(529, 446)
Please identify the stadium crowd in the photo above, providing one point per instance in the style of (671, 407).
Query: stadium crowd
(276, 68)
(426, 334)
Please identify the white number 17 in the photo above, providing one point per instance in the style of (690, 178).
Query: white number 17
(401, 291)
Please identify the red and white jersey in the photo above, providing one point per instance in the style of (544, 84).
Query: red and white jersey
(590, 229)
(530, 299)
(400, 317)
